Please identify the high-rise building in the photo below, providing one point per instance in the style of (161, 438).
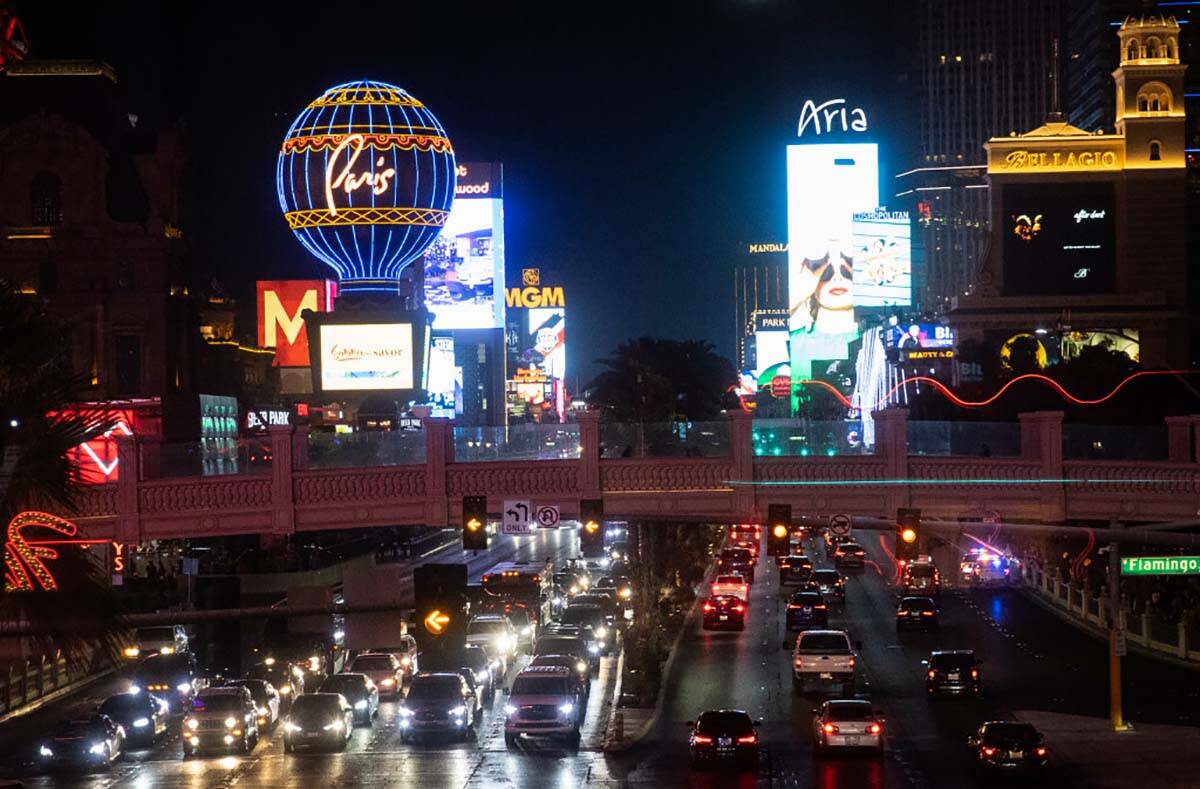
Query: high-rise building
(981, 70)
(759, 289)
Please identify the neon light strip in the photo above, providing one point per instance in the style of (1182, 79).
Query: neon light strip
(377, 142)
(949, 395)
(968, 481)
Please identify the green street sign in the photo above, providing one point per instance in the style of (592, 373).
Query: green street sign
(1160, 565)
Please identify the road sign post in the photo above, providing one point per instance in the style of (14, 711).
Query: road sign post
(516, 518)
(1116, 637)
(839, 525)
(547, 516)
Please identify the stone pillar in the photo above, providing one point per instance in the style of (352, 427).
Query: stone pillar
(283, 506)
(300, 447)
(151, 456)
(129, 522)
(439, 453)
(589, 454)
(891, 444)
(1041, 441)
(1183, 439)
(741, 452)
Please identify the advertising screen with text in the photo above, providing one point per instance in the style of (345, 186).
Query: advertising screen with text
(1058, 239)
(366, 356)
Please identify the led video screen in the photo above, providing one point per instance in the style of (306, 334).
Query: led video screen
(464, 267)
(366, 356)
(1059, 239)
(882, 249)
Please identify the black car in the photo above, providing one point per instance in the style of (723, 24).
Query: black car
(143, 716)
(830, 583)
(318, 720)
(916, 612)
(560, 641)
(849, 554)
(1008, 746)
(795, 569)
(723, 735)
(284, 676)
(359, 690)
(266, 700)
(598, 619)
(173, 678)
(83, 743)
(724, 612)
(807, 611)
(486, 672)
(952, 672)
(440, 703)
(737, 560)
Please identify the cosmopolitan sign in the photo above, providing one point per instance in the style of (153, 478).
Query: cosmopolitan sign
(1160, 565)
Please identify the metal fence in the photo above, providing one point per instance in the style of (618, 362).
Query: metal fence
(25, 682)
(366, 448)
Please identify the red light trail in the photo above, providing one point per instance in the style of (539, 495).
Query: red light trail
(952, 397)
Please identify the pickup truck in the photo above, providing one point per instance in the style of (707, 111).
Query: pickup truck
(731, 584)
(823, 657)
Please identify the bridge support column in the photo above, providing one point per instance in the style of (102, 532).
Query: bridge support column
(129, 463)
(589, 454)
(1183, 439)
(283, 506)
(741, 450)
(439, 452)
(1041, 440)
(891, 444)
(300, 447)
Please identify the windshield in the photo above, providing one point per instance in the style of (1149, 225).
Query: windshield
(730, 579)
(807, 598)
(218, 702)
(258, 691)
(850, 711)
(164, 667)
(125, 704)
(372, 663)
(560, 646)
(823, 642)
(486, 627)
(921, 571)
(917, 604)
(826, 576)
(582, 615)
(849, 547)
(347, 686)
(951, 662)
(539, 686)
(78, 729)
(736, 554)
(316, 706)
(725, 723)
(434, 688)
(143, 634)
(1008, 732)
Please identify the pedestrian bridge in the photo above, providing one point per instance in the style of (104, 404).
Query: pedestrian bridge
(728, 472)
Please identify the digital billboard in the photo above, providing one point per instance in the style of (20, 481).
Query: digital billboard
(445, 379)
(881, 243)
(280, 324)
(1059, 239)
(366, 356)
(827, 185)
(464, 266)
(911, 336)
(548, 342)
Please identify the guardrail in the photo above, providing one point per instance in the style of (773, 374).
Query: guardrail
(1153, 634)
(22, 684)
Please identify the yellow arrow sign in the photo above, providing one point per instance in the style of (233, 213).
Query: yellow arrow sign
(436, 621)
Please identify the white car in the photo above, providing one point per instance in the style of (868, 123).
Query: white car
(845, 724)
(543, 703)
(495, 634)
(731, 585)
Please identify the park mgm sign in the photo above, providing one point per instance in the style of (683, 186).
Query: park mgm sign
(532, 294)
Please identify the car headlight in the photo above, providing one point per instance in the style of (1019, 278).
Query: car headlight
(581, 667)
(192, 723)
(135, 688)
(481, 676)
(361, 704)
(459, 710)
(96, 748)
(625, 594)
(593, 649)
(509, 709)
(405, 712)
(573, 590)
(314, 663)
(387, 683)
(601, 632)
(141, 723)
(338, 635)
(269, 661)
(45, 751)
(131, 652)
(567, 709)
(167, 651)
(262, 711)
(285, 690)
(230, 722)
(503, 642)
(406, 661)
(183, 687)
(290, 727)
(527, 631)
(335, 726)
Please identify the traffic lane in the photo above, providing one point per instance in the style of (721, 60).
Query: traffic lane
(375, 756)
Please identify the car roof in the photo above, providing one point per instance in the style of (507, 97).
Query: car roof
(543, 671)
(951, 652)
(915, 597)
(438, 675)
(373, 654)
(829, 632)
(224, 690)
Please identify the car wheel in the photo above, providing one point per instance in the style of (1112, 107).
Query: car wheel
(510, 741)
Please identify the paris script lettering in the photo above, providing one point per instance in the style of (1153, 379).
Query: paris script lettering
(346, 180)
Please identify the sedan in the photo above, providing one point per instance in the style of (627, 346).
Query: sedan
(1008, 746)
(723, 612)
(318, 720)
(916, 612)
(440, 703)
(87, 743)
(849, 554)
(847, 723)
(359, 690)
(384, 669)
(143, 717)
(723, 736)
(807, 611)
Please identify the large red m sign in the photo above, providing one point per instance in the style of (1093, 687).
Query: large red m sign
(280, 322)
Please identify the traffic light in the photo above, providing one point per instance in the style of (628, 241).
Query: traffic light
(908, 535)
(474, 523)
(591, 527)
(440, 594)
(779, 529)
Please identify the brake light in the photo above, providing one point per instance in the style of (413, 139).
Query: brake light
(749, 739)
(989, 751)
(926, 613)
(875, 728)
(829, 728)
(851, 662)
(739, 607)
(819, 608)
(701, 739)
(708, 606)
(932, 674)
(974, 673)
(793, 606)
(1040, 751)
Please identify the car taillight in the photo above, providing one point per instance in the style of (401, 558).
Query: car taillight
(875, 728)
(974, 673)
(793, 606)
(926, 613)
(739, 608)
(819, 608)
(989, 751)
(749, 739)
(851, 662)
(701, 739)
(829, 728)
(932, 674)
(1040, 751)
(708, 606)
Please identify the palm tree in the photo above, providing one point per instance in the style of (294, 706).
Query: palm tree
(36, 431)
(652, 380)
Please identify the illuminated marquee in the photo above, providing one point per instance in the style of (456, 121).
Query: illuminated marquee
(1033, 160)
(280, 320)
(833, 115)
(759, 249)
(533, 297)
(365, 177)
(25, 560)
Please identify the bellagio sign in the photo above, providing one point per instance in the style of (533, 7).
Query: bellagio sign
(280, 322)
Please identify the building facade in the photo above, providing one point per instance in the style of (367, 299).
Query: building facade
(759, 289)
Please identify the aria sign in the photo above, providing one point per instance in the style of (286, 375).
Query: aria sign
(831, 117)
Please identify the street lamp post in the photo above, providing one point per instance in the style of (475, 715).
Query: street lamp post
(1116, 636)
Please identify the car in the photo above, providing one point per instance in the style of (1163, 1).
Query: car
(921, 578)
(523, 625)
(952, 672)
(832, 541)
(981, 567)
(543, 702)
(723, 612)
(917, 612)
(749, 545)
(266, 700)
(584, 633)
(143, 717)
(487, 672)
(438, 703)
(845, 724)
(578, 666)
(737, 560)
(384, 669)
(795, 569)
(495, 634)
(173, 678)
(747, 531)
(318, 720)
(1008, 746)
(565, 644)
(157, 640)
(598, 619)
(849, 554)
(723, 735)
(730, 585)
(220, 719)
(82, 743)
(823, 656)
(622, 588)
(285, 677)
(830, 583)
(359, 690)
(606, 600)
(807, 611)
(571, 582)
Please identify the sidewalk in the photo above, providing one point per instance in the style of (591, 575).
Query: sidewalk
(1159, 756)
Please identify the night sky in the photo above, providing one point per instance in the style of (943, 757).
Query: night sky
(640, 152)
